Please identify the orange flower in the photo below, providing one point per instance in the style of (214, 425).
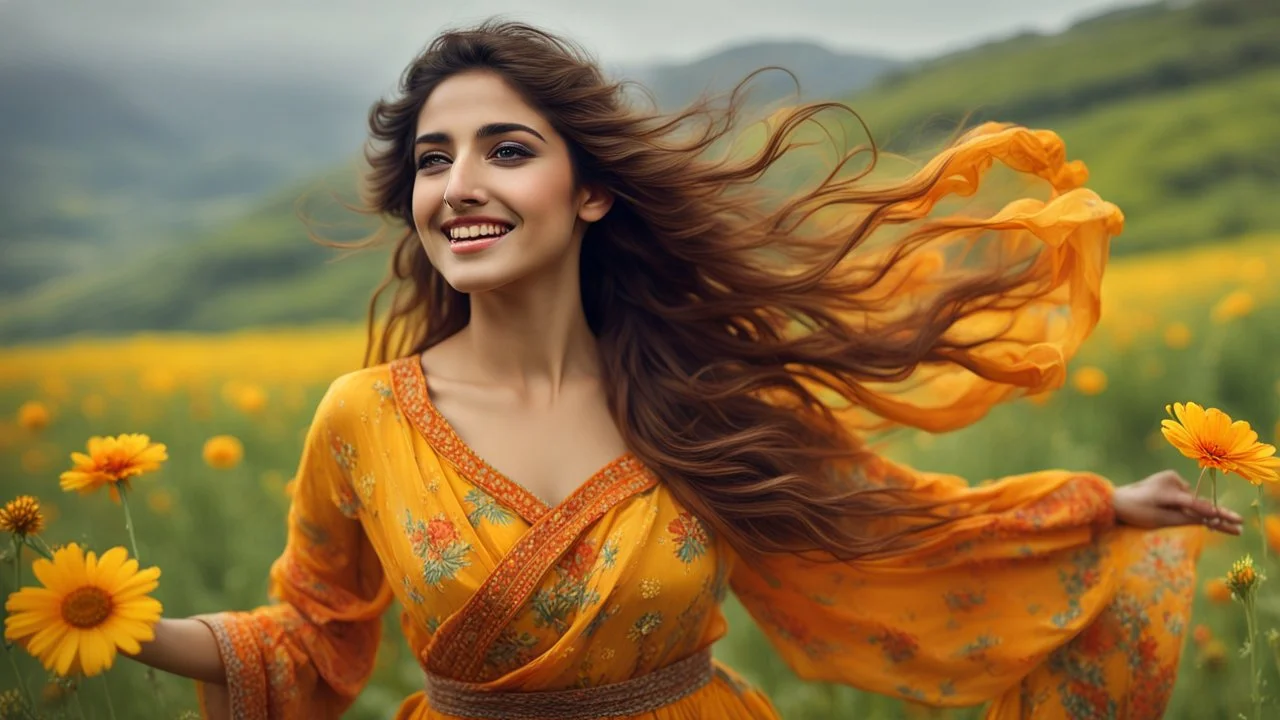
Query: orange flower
(1214, 441)
(1242, 578)
(1271, 528)
(34, 416)
(1217, 591)
(1202, 634)
(1090, 380)
(113, 461)
(223, 452)
(21, 516)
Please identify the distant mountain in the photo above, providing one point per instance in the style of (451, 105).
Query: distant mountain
(822, 73)
(106, 162)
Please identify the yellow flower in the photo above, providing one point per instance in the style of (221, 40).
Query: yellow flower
(1236, 305)
(1090, 380)
(1242, 578)
(223, 452)
(1177, 335)
(86, 610)
(34, 416)
(1214, 441)
(21, 516)
(112, 461)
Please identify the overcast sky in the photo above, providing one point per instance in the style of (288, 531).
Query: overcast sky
(373, 38)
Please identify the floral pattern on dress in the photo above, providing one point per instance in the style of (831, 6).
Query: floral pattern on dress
(511, 650)
(440, 547)
(345, 498)
(690, 537)
(484, 507)
(897, 646)
(411, 591)
(556, 606)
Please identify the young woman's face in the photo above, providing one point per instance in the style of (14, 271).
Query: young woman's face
(512, 210)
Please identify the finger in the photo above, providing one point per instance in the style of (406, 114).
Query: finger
(1203, 508)
(1216, 524)
(1171, 517)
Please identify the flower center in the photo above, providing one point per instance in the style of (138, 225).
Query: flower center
(86, 607)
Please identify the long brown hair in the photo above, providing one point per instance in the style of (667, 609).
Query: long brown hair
(719, 316)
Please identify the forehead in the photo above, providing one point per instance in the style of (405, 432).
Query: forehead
(472, 99)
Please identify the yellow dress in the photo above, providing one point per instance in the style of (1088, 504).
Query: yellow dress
(1033, 599)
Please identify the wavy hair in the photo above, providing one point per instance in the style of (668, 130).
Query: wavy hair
(722, 321)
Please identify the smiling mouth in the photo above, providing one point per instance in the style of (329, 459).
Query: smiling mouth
(490, 234)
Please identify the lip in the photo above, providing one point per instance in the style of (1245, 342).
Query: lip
(474, 246)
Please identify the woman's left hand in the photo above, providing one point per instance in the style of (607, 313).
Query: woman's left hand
(1165, 499)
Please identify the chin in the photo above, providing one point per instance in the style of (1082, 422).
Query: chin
(471, 280)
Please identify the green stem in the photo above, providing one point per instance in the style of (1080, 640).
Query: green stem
(1213, 480)
(1196, 495)
(128, 523)
(37, 549)
(1262, 530)
(106, 691)
(1255, 693)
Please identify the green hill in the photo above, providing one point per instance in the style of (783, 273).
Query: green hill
(1173, 107)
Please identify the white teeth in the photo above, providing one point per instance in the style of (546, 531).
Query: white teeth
(471, 231)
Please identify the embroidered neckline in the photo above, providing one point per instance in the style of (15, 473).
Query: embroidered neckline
(409, 383)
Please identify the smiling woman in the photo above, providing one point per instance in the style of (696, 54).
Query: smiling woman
(617, 380)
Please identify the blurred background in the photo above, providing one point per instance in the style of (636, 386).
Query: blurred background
(156, 277)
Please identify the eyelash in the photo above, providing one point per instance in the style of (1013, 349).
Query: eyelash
(522, 152)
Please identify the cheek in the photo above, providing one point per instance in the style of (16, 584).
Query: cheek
(422, 206)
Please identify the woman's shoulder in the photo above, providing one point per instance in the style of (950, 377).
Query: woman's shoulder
(355, 392)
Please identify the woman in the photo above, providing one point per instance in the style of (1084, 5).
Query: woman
(627, 382)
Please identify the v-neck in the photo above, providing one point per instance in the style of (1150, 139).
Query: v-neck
(409, 383)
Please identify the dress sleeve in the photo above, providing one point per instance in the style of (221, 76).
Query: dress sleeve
(310, 652)
(1031, 595)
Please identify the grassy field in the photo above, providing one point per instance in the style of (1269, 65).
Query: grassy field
(1196, 324)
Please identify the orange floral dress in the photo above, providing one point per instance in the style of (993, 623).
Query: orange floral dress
(1031, 600)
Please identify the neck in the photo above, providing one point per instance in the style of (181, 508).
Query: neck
(533, 334)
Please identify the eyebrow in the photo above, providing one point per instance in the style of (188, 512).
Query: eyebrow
(440, 138)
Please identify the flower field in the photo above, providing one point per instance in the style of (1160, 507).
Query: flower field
(1197, 325)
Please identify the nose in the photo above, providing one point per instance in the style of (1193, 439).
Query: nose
(464, 186)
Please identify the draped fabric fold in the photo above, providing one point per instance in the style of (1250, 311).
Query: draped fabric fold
(1002, 345)
(1032, 598)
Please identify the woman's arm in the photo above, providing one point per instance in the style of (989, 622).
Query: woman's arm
(186, 647)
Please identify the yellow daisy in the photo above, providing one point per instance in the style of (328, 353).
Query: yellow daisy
(21, 516)
(87, 609)
(112, 461)
(1212, 439)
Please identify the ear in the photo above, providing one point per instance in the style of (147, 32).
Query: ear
(594, 202)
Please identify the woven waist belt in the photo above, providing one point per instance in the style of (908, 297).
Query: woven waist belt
(629, 697)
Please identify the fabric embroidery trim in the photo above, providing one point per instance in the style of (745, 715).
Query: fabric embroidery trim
(459, 647)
